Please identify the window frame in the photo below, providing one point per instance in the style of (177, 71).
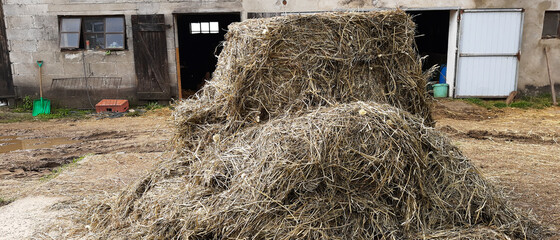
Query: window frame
(82, 33)
(123, 34)
(546, 35)
(210, 30)
(61, 32)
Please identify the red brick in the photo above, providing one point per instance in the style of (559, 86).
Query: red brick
(112, 105)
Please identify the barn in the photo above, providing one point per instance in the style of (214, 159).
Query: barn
(161, 50)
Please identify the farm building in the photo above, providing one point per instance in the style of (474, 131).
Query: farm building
(165, 49)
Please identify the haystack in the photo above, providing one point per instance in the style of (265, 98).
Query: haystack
(272, 66)
(313, 127)
(350, 171)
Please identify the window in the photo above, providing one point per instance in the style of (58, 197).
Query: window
(70, 33)
(205, 27)
(92, 33)
(551, 26)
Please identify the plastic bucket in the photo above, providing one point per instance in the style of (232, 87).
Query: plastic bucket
(440, 90)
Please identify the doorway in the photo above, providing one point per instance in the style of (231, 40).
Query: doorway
(488, 52)
(199, 37)
(432, 33)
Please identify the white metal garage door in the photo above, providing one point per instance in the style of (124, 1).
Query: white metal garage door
(489, 44)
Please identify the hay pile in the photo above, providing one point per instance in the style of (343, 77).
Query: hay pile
(272, 66)
(325, 138)
(352, 171)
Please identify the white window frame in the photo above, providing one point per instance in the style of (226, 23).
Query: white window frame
(197, 27)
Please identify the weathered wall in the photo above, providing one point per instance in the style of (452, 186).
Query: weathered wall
(32, 30)
(533, 77)
(335, 5)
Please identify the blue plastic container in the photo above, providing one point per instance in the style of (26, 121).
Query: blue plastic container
(442, 74)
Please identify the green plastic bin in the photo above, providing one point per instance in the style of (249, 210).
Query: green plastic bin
(440, 90)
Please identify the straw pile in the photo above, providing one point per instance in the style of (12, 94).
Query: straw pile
(352, 171)
(272, 66)
(313, 127)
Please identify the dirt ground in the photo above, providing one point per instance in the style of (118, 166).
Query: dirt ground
(72, 139)
(518, 149)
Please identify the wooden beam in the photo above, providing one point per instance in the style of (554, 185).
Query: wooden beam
(178, 63)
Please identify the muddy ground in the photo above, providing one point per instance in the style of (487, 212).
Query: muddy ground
(39, 147)
(518, 149)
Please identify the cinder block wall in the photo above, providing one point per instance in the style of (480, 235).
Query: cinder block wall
(33, 34)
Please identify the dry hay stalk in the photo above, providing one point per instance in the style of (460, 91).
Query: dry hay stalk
(273, 66)
(350, 171)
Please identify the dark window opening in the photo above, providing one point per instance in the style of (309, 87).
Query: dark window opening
(92, 33)
(432, 32)
(200, 36)
(551, 25)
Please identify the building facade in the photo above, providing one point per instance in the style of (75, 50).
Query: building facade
(165, 49)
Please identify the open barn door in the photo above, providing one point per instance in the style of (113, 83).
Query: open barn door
(489, 45)
(199, 36)
(150, 57)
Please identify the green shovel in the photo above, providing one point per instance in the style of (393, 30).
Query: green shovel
(41, 106)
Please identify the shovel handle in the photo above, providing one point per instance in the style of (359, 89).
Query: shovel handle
(41, 82)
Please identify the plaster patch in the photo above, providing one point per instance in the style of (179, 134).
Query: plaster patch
(544, 5)
(72, 56)
(353, 3)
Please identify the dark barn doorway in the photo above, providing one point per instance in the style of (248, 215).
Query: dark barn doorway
(432, 33)
(199, 38)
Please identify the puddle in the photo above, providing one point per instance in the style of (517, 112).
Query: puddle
(12, 143)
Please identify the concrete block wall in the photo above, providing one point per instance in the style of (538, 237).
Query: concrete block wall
(32, 30)
(24, 30)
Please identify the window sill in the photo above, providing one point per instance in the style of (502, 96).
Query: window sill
(549, 41)
(91, 50)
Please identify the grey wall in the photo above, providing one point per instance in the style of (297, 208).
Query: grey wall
(32, 30)
(533, 77)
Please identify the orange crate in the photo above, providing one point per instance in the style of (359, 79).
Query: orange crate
(112, 105)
